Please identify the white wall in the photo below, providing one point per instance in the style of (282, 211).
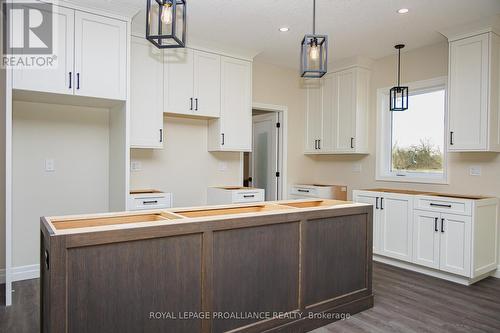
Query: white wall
(77, 139)
(184, 167)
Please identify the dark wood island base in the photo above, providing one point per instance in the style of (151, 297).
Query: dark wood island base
(272, 267)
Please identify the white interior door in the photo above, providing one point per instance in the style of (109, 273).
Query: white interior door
(100, 56)
(60, 78)
(179, 76)
(264, 160)
(426, 238)
(455, 244)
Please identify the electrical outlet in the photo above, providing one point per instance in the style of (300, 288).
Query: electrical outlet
(135, 166)
(475, 170)
(356, 168)
(50, 165)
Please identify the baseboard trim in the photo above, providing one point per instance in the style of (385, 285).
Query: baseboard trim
(21, 273)
(496, 273)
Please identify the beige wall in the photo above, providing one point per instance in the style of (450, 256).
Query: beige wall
(282, 86)
(77, 139)
(184, 167)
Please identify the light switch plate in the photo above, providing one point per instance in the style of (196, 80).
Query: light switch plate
(356, 168)
(222, 166)
(135, 166)
(50, 165)
(475, 170)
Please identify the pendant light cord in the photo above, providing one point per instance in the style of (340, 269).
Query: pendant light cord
(314, 17)
(399, 68)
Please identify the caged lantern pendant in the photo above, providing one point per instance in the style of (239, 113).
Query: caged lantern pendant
(399, 95)
(314, 52)
(166, 23)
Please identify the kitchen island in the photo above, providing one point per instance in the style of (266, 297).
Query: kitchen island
(288, 266)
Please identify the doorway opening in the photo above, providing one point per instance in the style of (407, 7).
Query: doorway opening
(264, 167)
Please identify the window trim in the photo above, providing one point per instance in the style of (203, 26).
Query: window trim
(384, 131)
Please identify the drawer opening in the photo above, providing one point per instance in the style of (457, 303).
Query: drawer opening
(108, 221)
(232, 210)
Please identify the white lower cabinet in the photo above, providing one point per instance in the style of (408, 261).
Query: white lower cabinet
(449, 237)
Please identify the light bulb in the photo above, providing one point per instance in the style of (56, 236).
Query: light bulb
(166, 14)
(314, 52)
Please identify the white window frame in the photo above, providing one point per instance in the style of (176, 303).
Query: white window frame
(384, 136)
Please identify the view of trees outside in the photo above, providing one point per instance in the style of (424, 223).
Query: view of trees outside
(418, 134)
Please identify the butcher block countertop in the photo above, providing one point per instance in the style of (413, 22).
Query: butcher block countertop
(75, 224)
(436, 194)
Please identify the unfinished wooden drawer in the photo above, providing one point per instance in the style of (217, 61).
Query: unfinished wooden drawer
(444, 204)
(149, 199)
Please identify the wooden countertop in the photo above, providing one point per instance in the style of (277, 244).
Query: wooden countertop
(438, 194)
(75, 224)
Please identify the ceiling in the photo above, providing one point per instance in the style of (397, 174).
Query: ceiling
(366, 28)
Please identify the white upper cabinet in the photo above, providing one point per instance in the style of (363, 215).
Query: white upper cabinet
(474, 79)
(146, 100)
(91, 59)
(59, 79)
(207, 84)
(233, 131)
(100, 56)
(336, 117)
(192, 83)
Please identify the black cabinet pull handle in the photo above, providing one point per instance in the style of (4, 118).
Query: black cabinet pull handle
(196, 107)
(303, 191)
(376, 203)
(436, 224)
(319, 144)
(161, 135)
(78, 81)
(315, 144)
(70, 80)
(442, 225)
(223, 139)
(382, 203)
(352, 143)
(249, 196)
(451, 138)
(151, 202)
(191, 101)
(439, 205)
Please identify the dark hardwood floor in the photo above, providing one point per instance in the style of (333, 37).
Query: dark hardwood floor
(404, 302)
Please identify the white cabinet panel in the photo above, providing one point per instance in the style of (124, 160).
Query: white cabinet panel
(314, 116)
(396, 226)
(345, 111)
(455, 251)
(100, 56)
(233, 131)
(59, 79)
(206, 84)
(372, 199)
(179, 76)
(146, 100)
(426, 235)
(468, 115)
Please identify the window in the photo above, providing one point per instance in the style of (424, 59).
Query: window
(412, 145)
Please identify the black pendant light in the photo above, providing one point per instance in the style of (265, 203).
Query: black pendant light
(314, 52)
(399, 94)
(166, 23)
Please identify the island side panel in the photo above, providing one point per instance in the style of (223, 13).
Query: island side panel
(255, 269)
(337, 260)
(115, 287)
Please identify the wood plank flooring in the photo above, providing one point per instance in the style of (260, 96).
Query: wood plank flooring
(404, 302)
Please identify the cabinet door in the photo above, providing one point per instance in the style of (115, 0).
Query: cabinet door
(313, 116)
(455, 253)
(426, 236)
(206, 84)
(146, 100)
(330, 83)
(468, 89)
(236, 104)
(345, 111)
(100, 56)
(396, 223)
(179, 97)
(59, 78)
(372, 199)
